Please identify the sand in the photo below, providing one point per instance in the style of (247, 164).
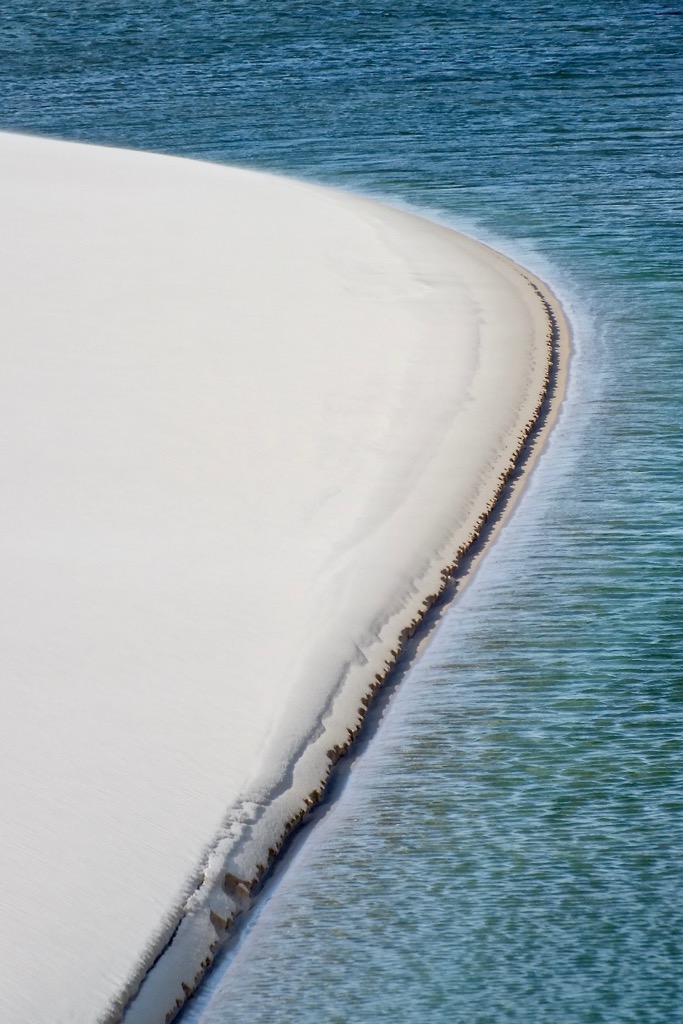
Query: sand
(249, 423)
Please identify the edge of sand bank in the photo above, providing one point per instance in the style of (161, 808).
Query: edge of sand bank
(201, 934)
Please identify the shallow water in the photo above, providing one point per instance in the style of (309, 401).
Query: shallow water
(508, 849)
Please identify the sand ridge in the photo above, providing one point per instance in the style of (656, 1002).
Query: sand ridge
(253, 427)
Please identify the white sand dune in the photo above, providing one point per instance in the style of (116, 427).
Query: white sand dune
(246, 422)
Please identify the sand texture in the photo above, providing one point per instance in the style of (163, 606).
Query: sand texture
(247, 422)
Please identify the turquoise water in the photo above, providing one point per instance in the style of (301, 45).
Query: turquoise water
(508, 849)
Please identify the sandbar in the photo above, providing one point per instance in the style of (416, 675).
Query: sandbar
(250, 428)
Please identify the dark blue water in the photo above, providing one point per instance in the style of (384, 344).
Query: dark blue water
(509, 849)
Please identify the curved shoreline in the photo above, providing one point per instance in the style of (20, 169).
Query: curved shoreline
(242, 890)
(254, 428)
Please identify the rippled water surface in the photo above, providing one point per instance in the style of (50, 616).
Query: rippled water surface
(509, 847)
